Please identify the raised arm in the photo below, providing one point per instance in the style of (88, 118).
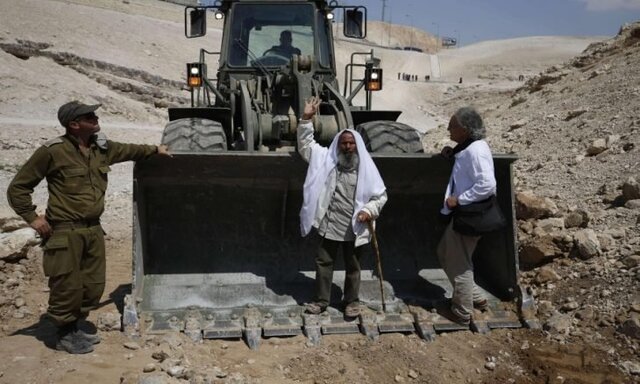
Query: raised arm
(306, 142)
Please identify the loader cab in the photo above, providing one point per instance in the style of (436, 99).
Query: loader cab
(253, 30)
(257, 34)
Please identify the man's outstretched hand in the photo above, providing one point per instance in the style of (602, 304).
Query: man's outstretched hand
(310, 107)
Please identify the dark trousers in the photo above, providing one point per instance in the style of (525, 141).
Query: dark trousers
(74, 261)
(325, 259)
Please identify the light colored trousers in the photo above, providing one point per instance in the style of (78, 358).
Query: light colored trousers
(455, 254)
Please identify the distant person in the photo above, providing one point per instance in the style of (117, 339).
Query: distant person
(472, 180)
(76, 166)
(285, 49)
(343, 190)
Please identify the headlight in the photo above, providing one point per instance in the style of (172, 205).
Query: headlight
(195, 74)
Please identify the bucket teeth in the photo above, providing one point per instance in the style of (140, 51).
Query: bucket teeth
(311, 328)
(368, 325)
(253, 323)
(252, 336)
(313, 334)
(193, 325)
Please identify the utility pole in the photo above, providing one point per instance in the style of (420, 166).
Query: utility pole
(384, 6)
(410, 29)
(438, 41)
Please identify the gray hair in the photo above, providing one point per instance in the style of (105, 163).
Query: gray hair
(471, 121)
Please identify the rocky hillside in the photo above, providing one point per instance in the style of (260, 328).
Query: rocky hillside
(577, 131)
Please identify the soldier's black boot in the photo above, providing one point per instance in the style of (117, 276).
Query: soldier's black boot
(69, 341)
(92, 338)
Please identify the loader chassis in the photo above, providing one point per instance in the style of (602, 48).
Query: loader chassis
(217, 248)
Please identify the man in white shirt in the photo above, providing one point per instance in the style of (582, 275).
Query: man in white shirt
(343, 190)
(472, 180)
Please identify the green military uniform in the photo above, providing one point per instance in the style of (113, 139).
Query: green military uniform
(74, 258)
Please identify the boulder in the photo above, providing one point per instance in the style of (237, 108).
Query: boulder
(586, 244)
(631, 189)
(530, 206)
(538, 250)
(109, 321)
(577, 218)
(558, 323)
(10, 224)
(631, 328)
(597, 146)
(547, 274)
(632, 204)
(632, 261)
(551, 224)
(15, 245)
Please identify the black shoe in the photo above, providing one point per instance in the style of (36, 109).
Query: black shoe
(352, 309)
(71, 342)
(460, 320)
(90, 337)
(481, 305)
(314, 308)
(455, 317)
(87, 330)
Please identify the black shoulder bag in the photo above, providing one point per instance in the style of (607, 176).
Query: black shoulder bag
(478, 218)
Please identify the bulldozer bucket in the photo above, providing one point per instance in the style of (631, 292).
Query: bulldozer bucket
(218, 251)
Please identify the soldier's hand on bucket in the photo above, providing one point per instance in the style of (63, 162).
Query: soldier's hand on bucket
(164, 150)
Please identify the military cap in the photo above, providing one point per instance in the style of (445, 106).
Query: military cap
(73, 109)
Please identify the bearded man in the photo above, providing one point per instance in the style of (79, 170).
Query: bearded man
(343, 190)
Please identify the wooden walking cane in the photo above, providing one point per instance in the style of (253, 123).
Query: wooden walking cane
(374, 242)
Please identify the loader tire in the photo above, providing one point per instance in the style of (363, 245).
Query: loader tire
(194, 135)
(390, 137)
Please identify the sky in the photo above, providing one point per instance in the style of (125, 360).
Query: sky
(477, 20)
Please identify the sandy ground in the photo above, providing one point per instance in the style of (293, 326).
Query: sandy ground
(95, 43)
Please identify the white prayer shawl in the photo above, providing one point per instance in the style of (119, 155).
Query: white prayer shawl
(323, 160)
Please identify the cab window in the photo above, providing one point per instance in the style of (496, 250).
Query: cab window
(269, 35)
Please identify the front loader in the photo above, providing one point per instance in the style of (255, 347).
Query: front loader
(217, 246)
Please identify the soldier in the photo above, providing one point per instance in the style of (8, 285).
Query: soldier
(342, 191)
(76, 166)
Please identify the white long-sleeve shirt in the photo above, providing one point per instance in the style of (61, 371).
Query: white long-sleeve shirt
(472, 178)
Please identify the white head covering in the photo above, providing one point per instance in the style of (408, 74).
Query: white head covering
(321, 163)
